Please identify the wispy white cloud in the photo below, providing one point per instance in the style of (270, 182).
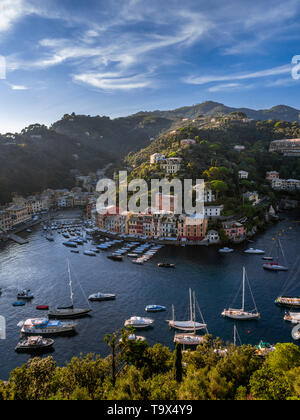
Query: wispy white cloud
(224, 86)
(202, 80)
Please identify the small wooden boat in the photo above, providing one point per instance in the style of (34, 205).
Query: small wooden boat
(16, 304)
(115, 257)
(42, 307)
(166, 265)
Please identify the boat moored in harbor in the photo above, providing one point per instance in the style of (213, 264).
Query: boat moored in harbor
(43, 326)
(139, 322)
(25, 295)
(98, 297)
(241, 314)
(225, 250)
(293, 317)
(29, 344)
(288, 302)
(155, 308)
(254, 251)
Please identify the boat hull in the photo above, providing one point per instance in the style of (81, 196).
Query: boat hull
(240, 316)
(68, 313)
(275, 267)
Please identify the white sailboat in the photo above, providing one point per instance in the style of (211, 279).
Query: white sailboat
(69, 312)
(276, 266)
(241, 314)
(190, 325)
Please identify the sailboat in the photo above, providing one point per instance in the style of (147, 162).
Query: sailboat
(275, 266)
(69, 311)
(241, 314)
(190, 325)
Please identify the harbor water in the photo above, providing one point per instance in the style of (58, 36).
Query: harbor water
(41, 266)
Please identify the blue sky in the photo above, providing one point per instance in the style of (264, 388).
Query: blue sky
(117, 57)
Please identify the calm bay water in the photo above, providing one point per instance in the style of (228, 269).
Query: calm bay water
(41, 266)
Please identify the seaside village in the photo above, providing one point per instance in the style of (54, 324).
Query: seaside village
(159, 223)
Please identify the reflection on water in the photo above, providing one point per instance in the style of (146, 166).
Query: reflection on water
(41, 266)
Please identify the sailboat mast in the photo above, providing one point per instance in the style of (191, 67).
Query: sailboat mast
(194, 314)
(191, 306)
(70, 282)
(234, 335)
(243, 299)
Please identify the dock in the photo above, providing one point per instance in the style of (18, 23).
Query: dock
(17, 239)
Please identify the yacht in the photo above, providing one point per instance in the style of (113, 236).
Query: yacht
(191, 324)
(97, 297)
(293, 317)
(25, 295)
(90, 253)
(188, 339)
(28, 344)
(241, 314)
(254, 251)
(155, 308)
(275, 266)
(226, 250)
(288, 302)
(43, 326)
(69, 312)
(139, 322)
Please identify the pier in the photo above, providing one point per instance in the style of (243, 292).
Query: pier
(17, 239)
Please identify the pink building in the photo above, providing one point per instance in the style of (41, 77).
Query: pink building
(234, 230)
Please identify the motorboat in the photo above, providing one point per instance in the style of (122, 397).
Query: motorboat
(275, 266)
(90, 253)
(242, 314)
(296, 332)
(132, 255)
(288, 302)
(293, 317)
(254, 251)
(16, 304)
(226, 250)
(268, 258)
(42, 307)
(166, 265)
(25, 295)
(188, 339)
(138, 261)
(115, 257)
(155, 308)
(44, 326)
(29, 344)
(133, 337)
(70, 244)
(139, 322)
(101, 296)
